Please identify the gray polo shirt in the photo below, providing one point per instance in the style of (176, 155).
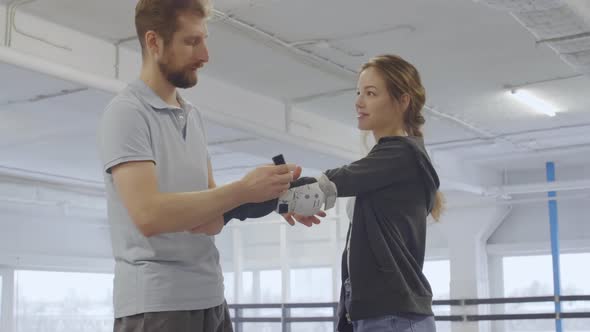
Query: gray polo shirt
(174, 271)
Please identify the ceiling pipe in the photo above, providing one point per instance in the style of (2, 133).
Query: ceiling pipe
(553, 151)
(10, 7)
(450, 185)
(311, 58)
(71, 184)
(64, 207)
(534, 188)
(11, 26)
(521, 189)
(521, 201)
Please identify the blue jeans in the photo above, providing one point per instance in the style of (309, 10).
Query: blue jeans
(391, 323)
(405, 323)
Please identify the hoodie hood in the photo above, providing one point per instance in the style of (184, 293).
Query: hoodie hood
(431, 180)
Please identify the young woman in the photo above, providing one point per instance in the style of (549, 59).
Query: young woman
(395, 188)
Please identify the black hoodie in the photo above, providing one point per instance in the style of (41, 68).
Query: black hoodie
(395, 187)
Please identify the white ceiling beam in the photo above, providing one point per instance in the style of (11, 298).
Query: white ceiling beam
(544, 153)
(260, 115)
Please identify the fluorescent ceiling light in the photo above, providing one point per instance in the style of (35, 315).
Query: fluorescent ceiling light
(534, 102)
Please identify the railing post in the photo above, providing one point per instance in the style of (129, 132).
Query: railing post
(285, 313)
(238, 320)
(554, 231)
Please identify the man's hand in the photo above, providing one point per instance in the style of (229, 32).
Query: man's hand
(255, 210)
(296, 173)
(307, 221)
(268, 182)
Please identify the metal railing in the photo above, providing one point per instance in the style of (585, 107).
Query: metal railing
(286, 318)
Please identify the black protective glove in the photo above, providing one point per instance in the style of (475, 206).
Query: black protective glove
(250, 210)
(259, 210)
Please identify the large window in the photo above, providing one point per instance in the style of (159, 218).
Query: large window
(438, 274)
(270, 286)
(261, 287)
(247, 295)
(312, 327)
(311, 285)
(1, 286)
(262, 327)
(63, 302)
(230, 290)
(533, 276)
(575, 273)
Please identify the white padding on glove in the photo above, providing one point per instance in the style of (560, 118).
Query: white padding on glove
(329, 189)
(306, 200)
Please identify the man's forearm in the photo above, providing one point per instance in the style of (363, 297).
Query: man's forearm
(251, 210)
(209, 228)
(177, 212)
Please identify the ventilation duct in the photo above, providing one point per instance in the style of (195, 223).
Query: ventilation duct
(563, 25)
(523, 5)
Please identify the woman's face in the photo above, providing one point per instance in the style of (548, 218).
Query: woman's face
(376, 109)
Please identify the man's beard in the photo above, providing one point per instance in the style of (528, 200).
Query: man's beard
(180, 78)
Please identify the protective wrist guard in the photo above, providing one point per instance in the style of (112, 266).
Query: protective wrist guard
(250, 210)
(307, 196)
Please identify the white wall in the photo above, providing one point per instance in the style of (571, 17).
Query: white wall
(526, 230)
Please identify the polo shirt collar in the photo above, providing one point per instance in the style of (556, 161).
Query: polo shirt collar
(153, 99)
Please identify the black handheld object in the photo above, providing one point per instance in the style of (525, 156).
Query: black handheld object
(255, 210)
(279, 160)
